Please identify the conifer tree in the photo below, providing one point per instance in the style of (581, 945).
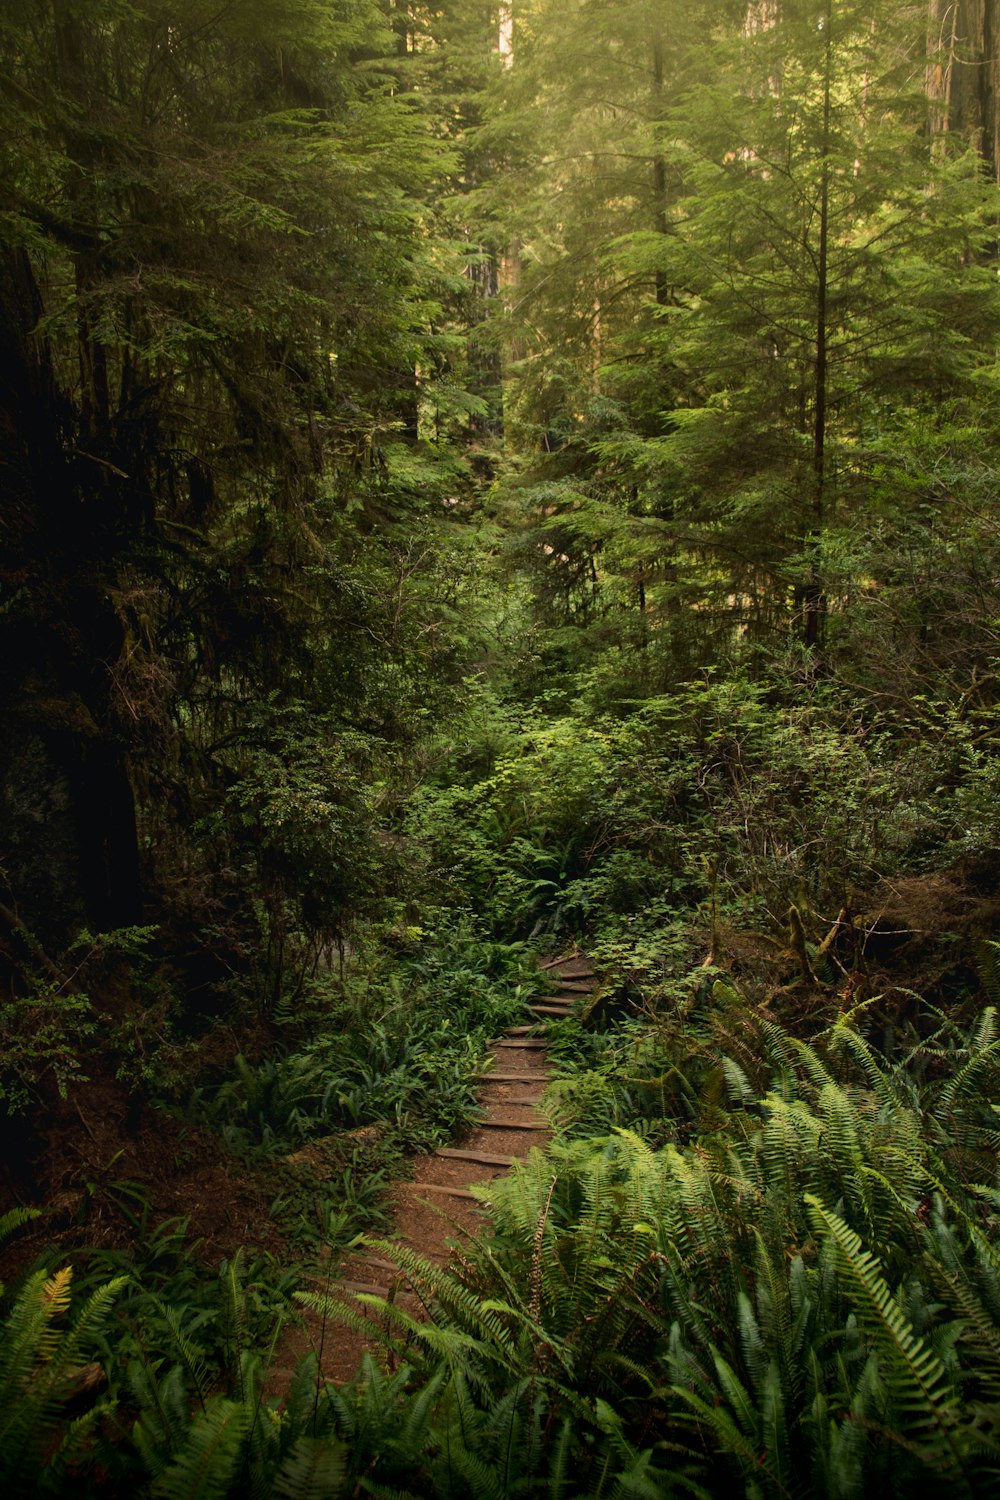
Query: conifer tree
(831, 274)
(816, 275)
(214, 257)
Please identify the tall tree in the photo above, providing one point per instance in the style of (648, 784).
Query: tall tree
(212, 254)
(963, 72)
(829, 272)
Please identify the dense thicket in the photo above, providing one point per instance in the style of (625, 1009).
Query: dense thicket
(218, 282)
(758, 317)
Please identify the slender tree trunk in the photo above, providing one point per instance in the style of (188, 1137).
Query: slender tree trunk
(963, 74)
(815, 595)
(942, 31)
(659, 169)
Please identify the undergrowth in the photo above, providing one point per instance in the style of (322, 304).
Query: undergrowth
(803, 1298)
(375, 1064)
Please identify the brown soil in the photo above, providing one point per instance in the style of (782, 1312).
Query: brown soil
(104, 1161)
(428, 1219)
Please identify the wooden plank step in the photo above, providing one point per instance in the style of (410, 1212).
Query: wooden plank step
(553, 1010)
(539, 1076)
(360, 1286)
(504, 1103)
(570, 987)
(377, 1263)
(437, 1187)
(573, 971)
(484, 1158)
(514, 1125)
(520, 1030)
(564, 958)
(534, 1044)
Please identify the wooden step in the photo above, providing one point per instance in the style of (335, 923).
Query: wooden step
(437, 1187)
(508, 1103)
(553, 1010)
(514, 1125)
(534, 1044)
(564, 958)
(521, 1030)
(377, 1263)
(483, 1158)
(570, 987)
(570, 969)
(537, 1077)
(360, 1286)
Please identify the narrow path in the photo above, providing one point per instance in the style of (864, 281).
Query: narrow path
(434, 1211)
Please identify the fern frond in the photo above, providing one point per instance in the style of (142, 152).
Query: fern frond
(37, 1359)
(737, 1083)
(189, 1356)
(307, 1405)
(718, 1425)
(913, 1371)
(88, 1322)
(56, 1297)
(843, 1036)
(164, 1414)
(751, 1344)
(205, 1466)
(234, 1323)
(559, 1462)
(420, 1411)
(968, 1078)
(13, 1220)
(314, 1469)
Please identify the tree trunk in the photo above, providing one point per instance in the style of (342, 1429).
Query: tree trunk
(815, 595)
(61, 641)
(659, 170)
(963, 73)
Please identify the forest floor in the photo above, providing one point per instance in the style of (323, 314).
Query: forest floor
(435, 1210)
(108, 1174)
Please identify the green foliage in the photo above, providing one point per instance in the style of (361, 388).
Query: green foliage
(714, 659)
(738, 795)
(235, 1442)
(44, 1037)
(753, 295)
(804, 1298)
(218, 281)
(39, 1361)
(801, 1300)
(400, 1044)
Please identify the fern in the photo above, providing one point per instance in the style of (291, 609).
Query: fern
(38, 1360)
(961, 1085)
(206, 1465)
(923, 1392)
(11, 1221)
(314, 1469)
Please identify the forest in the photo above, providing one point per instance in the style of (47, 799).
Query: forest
(487, 486)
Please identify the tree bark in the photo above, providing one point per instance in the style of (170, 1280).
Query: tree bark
(62, 638)
(963, 73)
(815, 596)
(659, 170)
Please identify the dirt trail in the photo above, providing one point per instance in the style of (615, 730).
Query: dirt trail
(436, 1209)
